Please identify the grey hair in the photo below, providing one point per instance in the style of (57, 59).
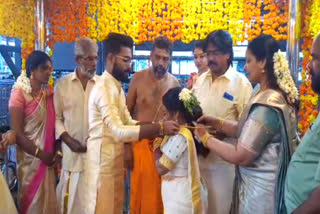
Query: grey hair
(85, 45)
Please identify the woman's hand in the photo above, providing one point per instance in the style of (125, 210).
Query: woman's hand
(200, 131)
(209, 120)
(8, 138)
(47, 158)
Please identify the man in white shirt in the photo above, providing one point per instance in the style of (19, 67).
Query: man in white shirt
(71, 106)
(223, 92)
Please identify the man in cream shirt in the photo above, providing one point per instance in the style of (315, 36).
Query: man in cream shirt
(110, 126)
(223, 92)
(71, 106)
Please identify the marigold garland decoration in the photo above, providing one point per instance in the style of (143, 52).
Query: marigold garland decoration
(163, 17)
(17, 20)
(275, 21)
(251, 19)
(66, 20)
(308, 98)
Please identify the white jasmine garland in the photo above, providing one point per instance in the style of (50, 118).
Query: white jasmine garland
(188, 99)
(23, 82)
(283, 76)
(185, 94)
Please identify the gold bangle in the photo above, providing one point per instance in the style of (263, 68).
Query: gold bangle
(161, 132)
(205, 138)
(37, 152)
(59, 153)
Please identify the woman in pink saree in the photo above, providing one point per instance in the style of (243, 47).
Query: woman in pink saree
(32, 118)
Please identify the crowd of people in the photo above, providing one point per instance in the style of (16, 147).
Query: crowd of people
(216, 147)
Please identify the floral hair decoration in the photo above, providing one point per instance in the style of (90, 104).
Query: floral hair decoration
(283, 76)
(188, 99)
(23, 82)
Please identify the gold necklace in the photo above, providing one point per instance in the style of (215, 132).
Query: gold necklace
(37, 99)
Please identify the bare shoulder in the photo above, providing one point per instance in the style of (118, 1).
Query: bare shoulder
(173, 80)
(140, 75)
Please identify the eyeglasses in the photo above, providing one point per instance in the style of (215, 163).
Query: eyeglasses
(89, 58)
(125, 59)
(214, 53)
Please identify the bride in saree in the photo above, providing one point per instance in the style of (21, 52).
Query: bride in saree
(265, 135)
(176, 157)
(32, 119)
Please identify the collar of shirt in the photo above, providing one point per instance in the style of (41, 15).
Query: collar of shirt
(227, 75)
(75, 77)
(114, 80)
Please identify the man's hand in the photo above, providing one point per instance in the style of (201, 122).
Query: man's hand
(170, 128)
(76, 146)
(72, 143)
(128, 156)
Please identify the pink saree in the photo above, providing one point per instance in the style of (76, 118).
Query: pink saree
(37, 181)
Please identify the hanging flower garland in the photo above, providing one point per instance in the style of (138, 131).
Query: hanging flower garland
(275, 21)
(252, 19)
(163, 17)
(191, 20)
(308, 98)
(234, 15)
(92, 10)
(66, 20)
(204, 16)
(17, 20)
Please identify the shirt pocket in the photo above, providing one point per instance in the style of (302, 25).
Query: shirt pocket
(226, 108)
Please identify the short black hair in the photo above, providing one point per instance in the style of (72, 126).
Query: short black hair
(115, 41)
(162, 42)
(201, 44)
(35, 60)
(222, 40)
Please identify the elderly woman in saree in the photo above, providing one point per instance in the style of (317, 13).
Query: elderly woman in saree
(265, 134)
(32, 118)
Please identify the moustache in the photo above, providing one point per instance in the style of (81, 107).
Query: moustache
(160, 68)
(210, 63)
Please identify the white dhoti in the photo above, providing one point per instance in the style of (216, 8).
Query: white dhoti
(219, 180)
(177, 197)
(70, 192)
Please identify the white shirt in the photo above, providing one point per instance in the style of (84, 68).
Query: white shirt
(71, 107)
(225, 97)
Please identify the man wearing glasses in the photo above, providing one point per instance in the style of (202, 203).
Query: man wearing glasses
(71, 106)
(110, 126)
(222, 92)
(145, 104)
